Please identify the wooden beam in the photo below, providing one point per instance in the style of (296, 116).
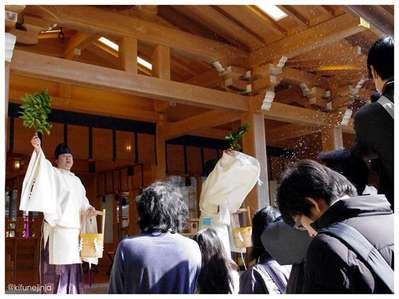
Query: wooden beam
(205, 120)
(315, 37)
(211, 133)
(297, 77)
(97, 53)
(288, 74)
(61, 70)
(328, 9)
(218, 22)
(209, 78)
(257, 23)
(254, 144)
(95, 20)
(375, 15)
(331, 138)
(292, 95)
(296, 115)
(289, 131)
(267, 21)
(128, 54)
(292, 12)
(78, 41)
(169, 13)
(65, 91)
(118, 107)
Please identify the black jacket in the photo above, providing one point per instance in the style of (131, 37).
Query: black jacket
(331, 267)
(374, 129)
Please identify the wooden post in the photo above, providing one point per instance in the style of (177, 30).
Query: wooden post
(161, 69)
(331, 138)
(10, 40)
(160, 168)
(161, 62)
(254, 144)
(6, 88)
(128, 54)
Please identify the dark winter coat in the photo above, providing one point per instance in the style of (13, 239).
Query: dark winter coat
(331, 267)
(374, 129)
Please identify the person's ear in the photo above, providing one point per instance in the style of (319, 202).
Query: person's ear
(373, 73)
(315, 208)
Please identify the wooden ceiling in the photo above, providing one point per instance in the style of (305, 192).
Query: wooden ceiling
(325, 45)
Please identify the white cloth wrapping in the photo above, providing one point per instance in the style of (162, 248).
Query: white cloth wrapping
(38, 177)
(61, 196)
(224, 191)
(226, 187)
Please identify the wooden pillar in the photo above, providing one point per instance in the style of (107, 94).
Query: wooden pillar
(254, 144)
(331, 138)
(160, 168)
(10, 40)
(161, 69)
(161, 62)
(128, 54)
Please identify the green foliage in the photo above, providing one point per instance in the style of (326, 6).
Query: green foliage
(35, 110)
(234, 137)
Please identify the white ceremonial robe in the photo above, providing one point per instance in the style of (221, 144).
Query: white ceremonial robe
(61, 196)
(225, 189)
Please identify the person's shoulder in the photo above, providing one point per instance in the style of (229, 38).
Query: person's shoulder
(132, 240)
(369, 110)
(184, 240)
(325, 247)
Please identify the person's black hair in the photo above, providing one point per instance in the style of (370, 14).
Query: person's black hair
(381, 57)
(350, 166)
(308, 178)
(60, 149)
(260, 221)
(216, 267)
(161, 208)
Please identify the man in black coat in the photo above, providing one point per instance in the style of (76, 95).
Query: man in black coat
(311, 196)
(373, 123)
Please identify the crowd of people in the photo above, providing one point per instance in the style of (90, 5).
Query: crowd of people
(343, 229)
(331, 233)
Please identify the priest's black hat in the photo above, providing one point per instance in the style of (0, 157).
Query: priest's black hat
(62, 148)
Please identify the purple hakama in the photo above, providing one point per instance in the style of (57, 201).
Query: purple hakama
(60, 279)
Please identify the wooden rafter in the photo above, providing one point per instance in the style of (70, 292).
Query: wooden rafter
(94, 20)
(315, 37)
(292, 12)
(218, 23)
(79, 40)
(269, 22)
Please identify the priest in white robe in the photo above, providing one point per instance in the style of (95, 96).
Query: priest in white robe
(61, 196)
